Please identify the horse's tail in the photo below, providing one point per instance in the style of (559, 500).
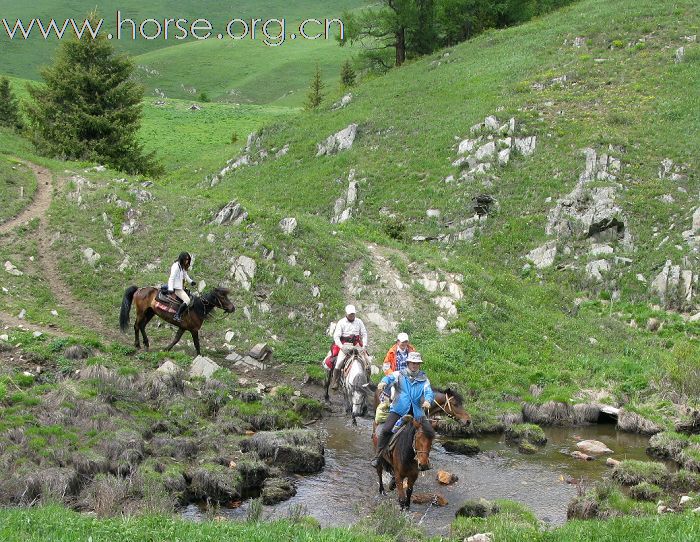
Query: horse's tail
(126, 307)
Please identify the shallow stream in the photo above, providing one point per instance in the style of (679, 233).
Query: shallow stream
(347, 490)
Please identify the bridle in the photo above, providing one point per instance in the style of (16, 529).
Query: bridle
(415, 438)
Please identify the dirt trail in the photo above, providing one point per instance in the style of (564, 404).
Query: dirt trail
(80, 313)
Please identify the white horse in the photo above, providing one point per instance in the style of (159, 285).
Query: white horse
(354, 385)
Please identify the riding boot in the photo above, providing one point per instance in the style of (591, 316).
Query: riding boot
(335, 379)
(180, 310)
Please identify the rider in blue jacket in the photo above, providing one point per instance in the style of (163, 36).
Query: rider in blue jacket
(413, 396)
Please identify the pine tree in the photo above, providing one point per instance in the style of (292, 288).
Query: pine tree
(315, 95)
(89, 107)
(9, 110)
(347, 75)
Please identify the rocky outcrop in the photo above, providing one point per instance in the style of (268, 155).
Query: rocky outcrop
(345, 100)
(232, 213)
(543, 256)
(253, 154)
(344, 205)
(243, 271)
(91, 257)
(338, 142)
(675, 286)
(288, 225)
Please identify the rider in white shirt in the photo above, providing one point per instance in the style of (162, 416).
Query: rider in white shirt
(177, 280)
(348, 331)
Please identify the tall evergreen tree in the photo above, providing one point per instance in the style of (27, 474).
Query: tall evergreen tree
(347, 75)
(9, 110)
(315, 95)
(89, 107)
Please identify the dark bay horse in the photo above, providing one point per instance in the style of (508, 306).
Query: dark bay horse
(192, 320)
(410, 454)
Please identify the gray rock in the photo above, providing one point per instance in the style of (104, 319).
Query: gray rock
(338, 142)
(203, 367)
(526, 145)
(503, 157)
(169, 368)
(543, 256)
(75, 352)
(433, 213)
(595, 269)
(593, 447)
(345, 100)
(680, 54)
(260, 352)
(587, 213)
(288, 225)
(91, 257)
(467, 145)
(243, 271)
(232, 213)
(486, 152)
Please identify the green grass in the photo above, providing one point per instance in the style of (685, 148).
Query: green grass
(257, 73)
(17, 187)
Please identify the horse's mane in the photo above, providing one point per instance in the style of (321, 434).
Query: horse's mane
(456, 396)
(404, 442)
(200, 303)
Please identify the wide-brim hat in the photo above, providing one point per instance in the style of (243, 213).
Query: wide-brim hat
(414, 357)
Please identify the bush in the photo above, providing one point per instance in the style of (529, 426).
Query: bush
(395, 228)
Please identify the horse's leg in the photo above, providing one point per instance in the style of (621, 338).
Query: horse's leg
(409, 490)
(326, 385)
(176, 339)
(380, 470)
(137, 329)
(144, 322)
(400, 490)
(195, 339)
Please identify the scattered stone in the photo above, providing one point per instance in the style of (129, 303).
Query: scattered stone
(580, 455)
(446, 478)
(653, 324)
(228, 337)
(680, 54)
(610, 462)
(203, 367)
(481, 537)
(337, 142)
(595, 269)
(345, 100)
(243, 271)
(543, 256)
(23, 313)
(526, 145)
(234, 357)
(12, 270)
(261, 352)
(232, 213)
(91, 257)
(169, 368)
(579, 42)
(433, 213)
(342, 210)
(426, 498)
(593, 447)
(4, 337)
(288, 225)
(685, 499)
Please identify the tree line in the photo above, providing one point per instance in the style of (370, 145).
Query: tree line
(392, 31)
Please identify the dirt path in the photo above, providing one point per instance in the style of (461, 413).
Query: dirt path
(81, 314)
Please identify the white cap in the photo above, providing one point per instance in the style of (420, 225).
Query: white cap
(349, 309)
(414, 357)
(402, 337)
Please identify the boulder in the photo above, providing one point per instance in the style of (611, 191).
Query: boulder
(593, 447)
(580, 455)
(260, 352)
(596, 268)
(243, 270)
(288, 225)
(337, 142)
(610, 462)
(203, 367)
(276, 490)
(480, 537)
(446, 478)
(526, 145)
(232, 213)
(91, 257)
(543, 256)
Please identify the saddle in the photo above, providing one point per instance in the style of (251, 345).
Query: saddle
(167, 302)
(407, 419)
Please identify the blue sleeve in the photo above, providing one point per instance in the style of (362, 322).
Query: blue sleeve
(428, 392)
(389, 379)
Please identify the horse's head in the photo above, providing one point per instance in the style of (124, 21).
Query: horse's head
(222, 301)
(422, 443)
(358, 386)
(453, 406)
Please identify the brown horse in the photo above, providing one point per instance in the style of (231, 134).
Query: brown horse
(444, 402)
(410, 454)
(192, 320)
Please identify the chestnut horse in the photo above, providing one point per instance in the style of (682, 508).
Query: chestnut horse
(410, 454)
(192, 320)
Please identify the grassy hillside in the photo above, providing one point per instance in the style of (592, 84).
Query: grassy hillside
(512, 334)
(242, 71)
(515, 327)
